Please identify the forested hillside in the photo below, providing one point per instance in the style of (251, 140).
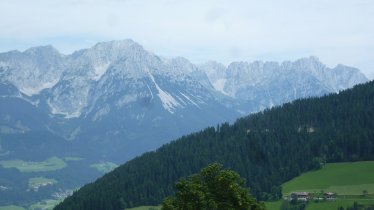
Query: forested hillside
(267, 148)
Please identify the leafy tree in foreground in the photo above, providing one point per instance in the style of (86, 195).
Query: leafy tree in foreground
(212, 189)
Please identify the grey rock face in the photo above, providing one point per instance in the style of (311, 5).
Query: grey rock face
(122, 97)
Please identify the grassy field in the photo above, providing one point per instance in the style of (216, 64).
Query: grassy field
(72, 158)
(12, 207)
(335, 205)
(348, 180)
(104, 167)
(146, 208)
(341, 178)
(322, 205)
(51, 164)
(273, 205)
(44, 205)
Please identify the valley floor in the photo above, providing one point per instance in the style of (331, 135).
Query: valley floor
(351, 181)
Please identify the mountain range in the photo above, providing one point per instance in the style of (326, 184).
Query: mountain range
(122, 98)
(116, 100)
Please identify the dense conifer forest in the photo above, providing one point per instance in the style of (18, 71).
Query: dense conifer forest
(267, 149)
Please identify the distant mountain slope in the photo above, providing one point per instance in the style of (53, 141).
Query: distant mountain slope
(267, 148)
(112, 101)
(259, 84)
(107, 96)
(116, 100)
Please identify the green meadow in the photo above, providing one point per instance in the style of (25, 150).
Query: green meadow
(104, 167)
(348, 180)
(12, 207)
(336, 204)
(322, 205)
(274, 205)
(72, 158)
(51, 164)
(146, 208)
(44, 205)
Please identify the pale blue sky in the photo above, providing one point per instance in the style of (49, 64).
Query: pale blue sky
(337, 31)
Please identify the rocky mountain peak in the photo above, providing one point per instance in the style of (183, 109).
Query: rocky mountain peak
(42, 50)
(119, 65)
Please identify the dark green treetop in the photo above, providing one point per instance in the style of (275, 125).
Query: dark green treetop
(212, 188)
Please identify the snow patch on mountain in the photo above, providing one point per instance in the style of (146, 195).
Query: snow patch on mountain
(100, 70)
(123, 73)
(250, 80)
(168, 102)
(126, 99)
(102, 112)
(56, 111)
(217, 75)
(219, 85)
(33, 70)
(189, 99)
(30, 91)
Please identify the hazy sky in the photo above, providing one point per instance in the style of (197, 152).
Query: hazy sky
(337, 31)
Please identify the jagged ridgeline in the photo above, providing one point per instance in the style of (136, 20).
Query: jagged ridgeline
(267, 148)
